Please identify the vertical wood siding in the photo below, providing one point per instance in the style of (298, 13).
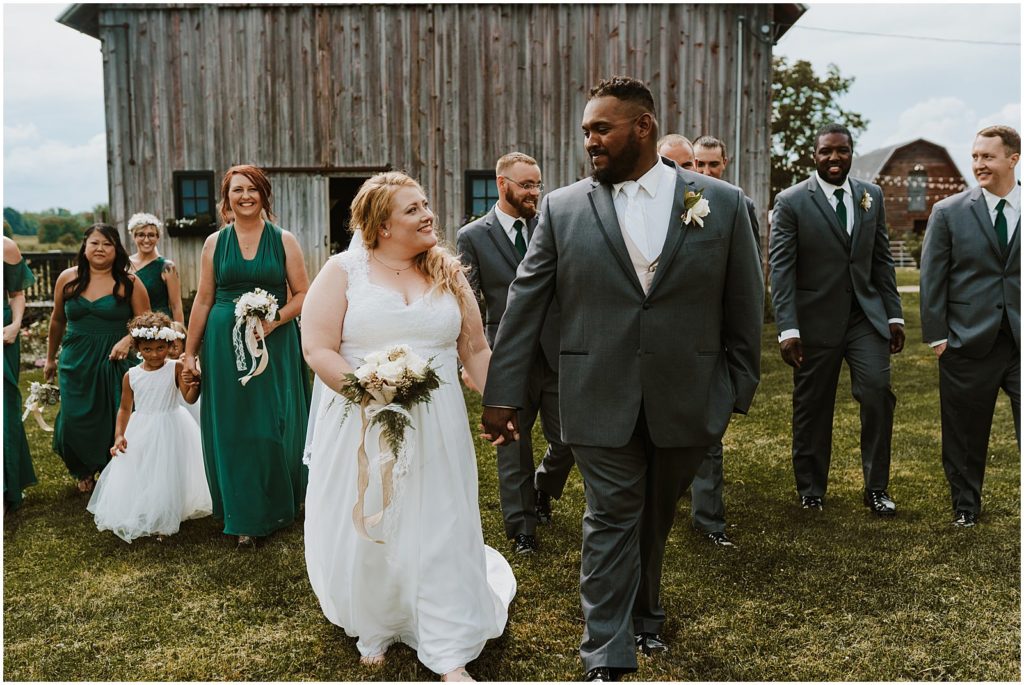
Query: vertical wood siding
(430, 89)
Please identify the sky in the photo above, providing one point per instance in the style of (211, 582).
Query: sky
(54, 149)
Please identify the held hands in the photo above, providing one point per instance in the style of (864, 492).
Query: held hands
(189, 361)
(499, 425)
(120, 445)
(896, 338)
(189, 378)
(469, 381)
(793, 352)
(11, 333)
(120, 350)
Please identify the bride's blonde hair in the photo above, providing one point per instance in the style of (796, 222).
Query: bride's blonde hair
(372, 207)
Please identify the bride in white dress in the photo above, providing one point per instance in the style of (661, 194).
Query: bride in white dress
(432, 583)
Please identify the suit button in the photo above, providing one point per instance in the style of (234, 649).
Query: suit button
(647, 305)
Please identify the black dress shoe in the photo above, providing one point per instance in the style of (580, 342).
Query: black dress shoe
(812, 502)
(965, 519)
(543, 507)
(879, 502)
(720, 539)
(650, 643)
(601, 674)
(525, 544)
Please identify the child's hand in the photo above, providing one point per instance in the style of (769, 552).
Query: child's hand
(120, 445)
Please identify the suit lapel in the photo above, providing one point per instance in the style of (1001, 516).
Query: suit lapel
(608, 224)
(676, 231)
(829, 214)
(980, 210)
(500, 238)
(857, 192)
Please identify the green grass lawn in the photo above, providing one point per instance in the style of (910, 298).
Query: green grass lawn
(908, 275)
(835, 595)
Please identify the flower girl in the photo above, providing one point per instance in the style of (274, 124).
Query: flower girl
(177, 351)
(159, 479)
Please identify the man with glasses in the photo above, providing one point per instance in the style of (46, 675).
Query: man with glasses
(492, 247)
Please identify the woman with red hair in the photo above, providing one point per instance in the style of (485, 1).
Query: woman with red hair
(253, 433)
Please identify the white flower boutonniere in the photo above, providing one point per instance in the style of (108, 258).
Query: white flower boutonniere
(696, 208)
(865, 201)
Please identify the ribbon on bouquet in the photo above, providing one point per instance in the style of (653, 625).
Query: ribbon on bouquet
(387, 468)
(245, 331)
(37, 414)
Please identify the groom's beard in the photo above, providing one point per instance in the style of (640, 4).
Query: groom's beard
(619, 169)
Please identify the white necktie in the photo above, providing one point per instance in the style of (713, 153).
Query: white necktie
(636, 223)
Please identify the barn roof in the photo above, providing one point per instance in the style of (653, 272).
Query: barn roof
(84, 17)
(869, 166)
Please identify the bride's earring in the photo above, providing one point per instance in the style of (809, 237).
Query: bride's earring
(386, 233)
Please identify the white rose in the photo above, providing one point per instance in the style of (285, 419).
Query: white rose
(391, 372)
(701, 209)
(365, 371)
(398, 351)
(376, 358)
(417, 365)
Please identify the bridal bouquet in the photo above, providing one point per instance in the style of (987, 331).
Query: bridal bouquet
(250, 309)
(40, 395)
(385, 388)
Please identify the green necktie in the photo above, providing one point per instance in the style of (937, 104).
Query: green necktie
(520, 238)
(1001, 224)
(840, 207)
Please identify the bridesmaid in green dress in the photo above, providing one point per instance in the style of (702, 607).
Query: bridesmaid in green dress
(92, 304)
(159, 275)
(18, 472)
(253, 435)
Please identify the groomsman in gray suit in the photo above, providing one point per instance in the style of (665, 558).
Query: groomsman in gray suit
(492, 247)
(678, 148)
(835, 298)
(970, 311)
(661, 305)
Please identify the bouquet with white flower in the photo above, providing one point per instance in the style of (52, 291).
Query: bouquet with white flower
(385, 387)
(40, 395)
(250, 309)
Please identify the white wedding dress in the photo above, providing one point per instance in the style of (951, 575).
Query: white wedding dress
(432, 584)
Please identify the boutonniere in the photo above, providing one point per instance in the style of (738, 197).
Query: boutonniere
(696, 208)
(865, 201)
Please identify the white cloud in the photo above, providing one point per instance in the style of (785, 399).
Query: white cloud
(20, 133)
(936, 119)
(1008, 115)
(51, 173)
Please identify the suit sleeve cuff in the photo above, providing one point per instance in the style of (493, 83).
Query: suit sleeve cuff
(938, 342)
(899, 321)
(789, 333)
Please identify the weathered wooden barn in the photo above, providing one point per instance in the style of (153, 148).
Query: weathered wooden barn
(913, 176)
(323, 96)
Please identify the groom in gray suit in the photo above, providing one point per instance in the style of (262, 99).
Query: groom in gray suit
(492, 248)
(970, 311)
(835, 298)
(660, 289)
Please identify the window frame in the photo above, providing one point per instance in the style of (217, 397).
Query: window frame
(917, 189)
(178, 177)
(491, 195)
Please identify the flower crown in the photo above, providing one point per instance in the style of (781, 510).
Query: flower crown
(154, 333)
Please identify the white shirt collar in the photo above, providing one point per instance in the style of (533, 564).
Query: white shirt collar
(506, 220)
(649, 181)
(1012, 198)
(830, 189)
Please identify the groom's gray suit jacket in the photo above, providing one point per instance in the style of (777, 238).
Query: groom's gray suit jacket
(689, 349)
(967, 282)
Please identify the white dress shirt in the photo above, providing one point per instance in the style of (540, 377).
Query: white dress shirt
(507, 222)
(833, 202)
(1011, 212)
(655, 196)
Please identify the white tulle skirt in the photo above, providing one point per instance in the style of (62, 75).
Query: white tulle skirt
(158, 482)
(433, 584)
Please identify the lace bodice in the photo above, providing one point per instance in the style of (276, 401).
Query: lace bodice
(155, 391)
(377, 317)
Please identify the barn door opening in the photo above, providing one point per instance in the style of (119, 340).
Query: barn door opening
(341, 192)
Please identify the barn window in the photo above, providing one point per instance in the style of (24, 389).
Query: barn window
(481, 192)
(917, 185)
(193, 194)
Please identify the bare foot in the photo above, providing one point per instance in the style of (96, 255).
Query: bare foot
(459, 675)
(375, 660)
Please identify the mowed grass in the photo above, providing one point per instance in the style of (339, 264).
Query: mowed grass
(835, 595)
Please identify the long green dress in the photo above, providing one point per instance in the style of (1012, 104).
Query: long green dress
(253, 435)
(90, 382)
(151, 277)
(18, 472)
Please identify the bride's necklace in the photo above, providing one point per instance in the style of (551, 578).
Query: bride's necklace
(398, 272)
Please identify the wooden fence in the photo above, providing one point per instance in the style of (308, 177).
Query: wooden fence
(46, 266)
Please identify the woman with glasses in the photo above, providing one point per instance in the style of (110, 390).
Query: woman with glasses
(159, 275)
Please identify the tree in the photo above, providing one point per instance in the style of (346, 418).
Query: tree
(801, 104)
(20, 225)
(53, 226)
